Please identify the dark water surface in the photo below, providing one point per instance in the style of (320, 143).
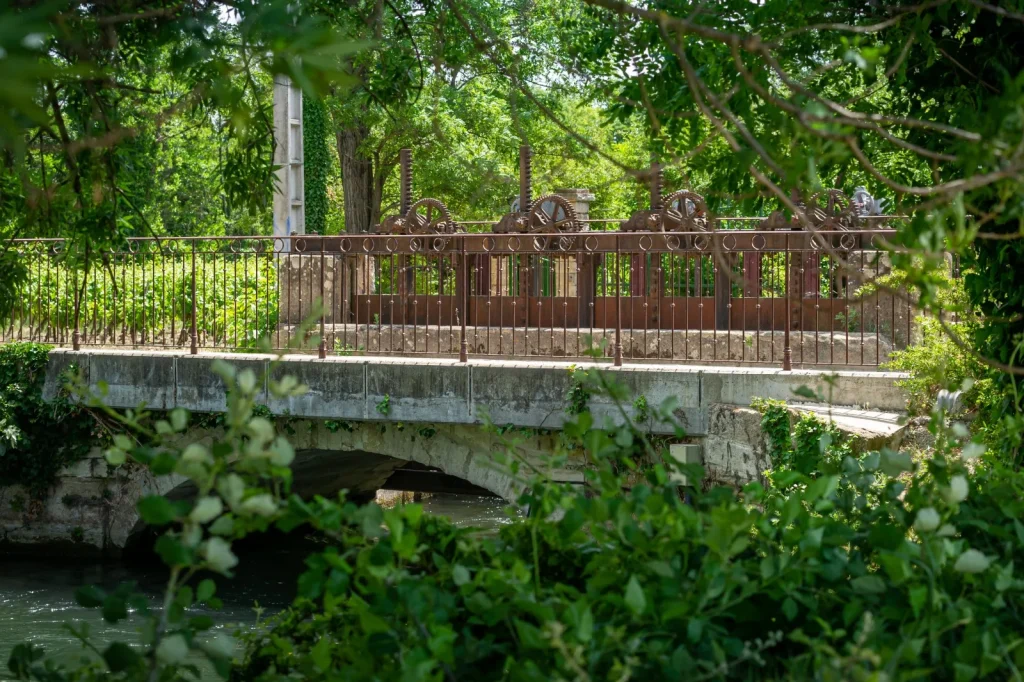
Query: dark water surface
(37, 597)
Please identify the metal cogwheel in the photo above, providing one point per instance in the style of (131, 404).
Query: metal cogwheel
(685, 211)
(553, 213)
(428, 216)
(836, 213)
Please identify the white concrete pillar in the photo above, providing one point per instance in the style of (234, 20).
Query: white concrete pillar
(289, 205)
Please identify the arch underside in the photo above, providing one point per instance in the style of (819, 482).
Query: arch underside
(363, 457)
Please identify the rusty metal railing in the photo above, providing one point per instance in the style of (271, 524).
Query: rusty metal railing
(767, 297)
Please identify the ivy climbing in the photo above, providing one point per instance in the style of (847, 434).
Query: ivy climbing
(316, 164)
(37, 438)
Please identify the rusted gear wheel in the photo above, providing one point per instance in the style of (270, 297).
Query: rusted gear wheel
(684, 211)
(429, 216)
(831, 209)
(553, 214)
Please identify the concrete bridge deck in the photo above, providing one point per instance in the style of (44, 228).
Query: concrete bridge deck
(530, 394)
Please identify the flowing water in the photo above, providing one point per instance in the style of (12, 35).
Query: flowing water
(37, 597)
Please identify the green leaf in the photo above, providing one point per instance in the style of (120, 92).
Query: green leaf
(918, 595)
(634, 596)
(156, 510)
(805, 392)
(896, 463)
(120, 657)
(460, 574)
(206, 589)
(114, 609)
(321, 654)
(89, 596)
(172, 551)
(868, 584)
(789, 609)
(585, 628)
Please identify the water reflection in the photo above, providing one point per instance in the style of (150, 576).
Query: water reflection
(37, 597)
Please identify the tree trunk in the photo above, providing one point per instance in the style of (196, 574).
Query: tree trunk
(356, 179)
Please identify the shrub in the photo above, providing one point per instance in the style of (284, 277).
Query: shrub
(937, 362)
(146, 298)
(866, 567)
(869, 567)
(37, 438)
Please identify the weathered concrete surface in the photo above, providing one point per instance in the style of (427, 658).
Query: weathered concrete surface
(91, 510)
(524, 394)
(764, 347)
(736, 450)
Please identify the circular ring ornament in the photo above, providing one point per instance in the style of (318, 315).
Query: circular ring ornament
(367, 245)
(754, 243)
(391, 244)
(489, 244)
(700, 242)
(646, 242)
(590, 243)
(729, 242)
(672, 242)
(517, 241)
(345, 245)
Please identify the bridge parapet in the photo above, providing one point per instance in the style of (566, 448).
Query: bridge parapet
(395, 389)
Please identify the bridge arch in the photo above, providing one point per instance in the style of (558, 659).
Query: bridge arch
(359, 457)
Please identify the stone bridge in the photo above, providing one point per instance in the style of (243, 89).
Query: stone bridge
(365, 420)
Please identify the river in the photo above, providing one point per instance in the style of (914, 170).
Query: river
(37, 597)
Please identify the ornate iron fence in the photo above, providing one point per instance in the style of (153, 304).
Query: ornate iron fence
(737, 296)
(673, 282)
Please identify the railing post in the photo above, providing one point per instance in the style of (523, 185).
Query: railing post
(193, 333)
(618, 305)
(464, 302)
(323, 304)
(787, 352)
(76, 339)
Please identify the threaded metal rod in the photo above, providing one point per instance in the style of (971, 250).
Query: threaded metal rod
(405, 180)
(525, 179)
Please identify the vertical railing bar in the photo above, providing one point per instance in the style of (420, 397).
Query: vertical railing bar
(322, 349)
(618, 304)
(787, 353)
(193, 332)
(463, 349)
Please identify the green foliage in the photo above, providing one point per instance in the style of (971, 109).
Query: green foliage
(578, 395)
(149, 298)
(37, 438)
(383, 406)
(877, 567)
(316, 164)
(937, 362)
(867, 565)
(802, 443)
(239, 480)
(641, 410)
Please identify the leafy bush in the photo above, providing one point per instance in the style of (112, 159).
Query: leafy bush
(937, 362)
(849, 573)
(147, 298)
(872, 567)
(37, 439)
